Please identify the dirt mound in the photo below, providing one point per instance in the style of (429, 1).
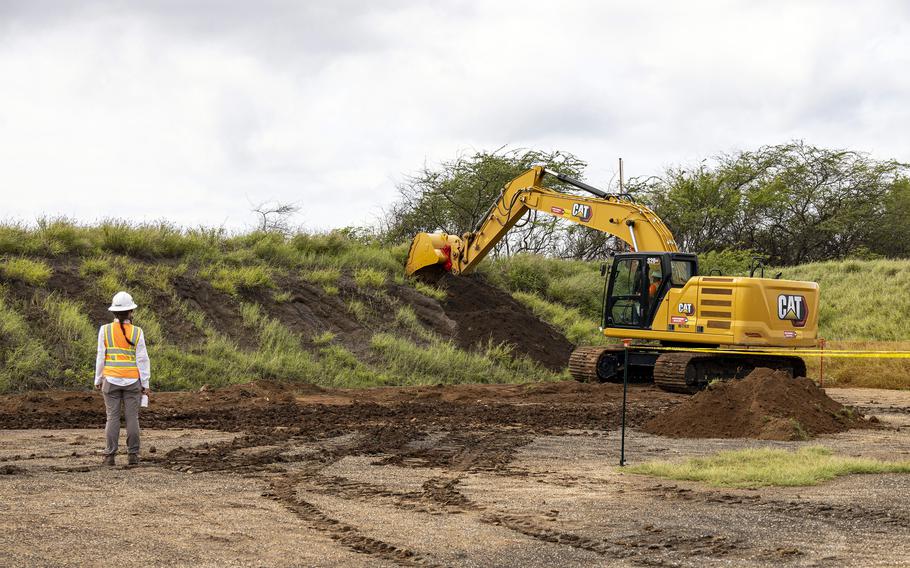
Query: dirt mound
(485, 313)
(766, 405)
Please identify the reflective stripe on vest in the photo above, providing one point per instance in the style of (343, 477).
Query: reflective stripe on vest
(119, 355)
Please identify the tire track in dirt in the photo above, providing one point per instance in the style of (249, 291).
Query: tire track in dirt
(285, 491)
(800, 509)
(653, 546)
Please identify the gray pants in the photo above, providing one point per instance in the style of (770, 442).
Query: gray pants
(129, 396)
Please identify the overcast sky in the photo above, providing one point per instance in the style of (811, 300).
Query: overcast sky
(191, 110)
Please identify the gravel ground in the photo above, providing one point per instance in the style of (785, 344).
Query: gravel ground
(483, 497)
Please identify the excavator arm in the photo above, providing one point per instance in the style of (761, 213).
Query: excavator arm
(613, 214)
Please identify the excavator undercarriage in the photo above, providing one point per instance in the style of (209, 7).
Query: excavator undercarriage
(678, 371)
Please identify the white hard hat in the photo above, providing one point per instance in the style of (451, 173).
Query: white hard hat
(122, 302)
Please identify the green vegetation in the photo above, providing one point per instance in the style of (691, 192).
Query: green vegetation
(793, 203)
(231, 280)
(441, 362)
(322, 276)
(577, 328)
(369, 278)
(258, 270)
(860, 299)
(565, 293)
(428, 290)
(766, 466)
(358, 309)
(323, 339)
(23, 361)
(34, 272)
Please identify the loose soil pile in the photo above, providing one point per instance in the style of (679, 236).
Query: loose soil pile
(766, 405)
(484, 313)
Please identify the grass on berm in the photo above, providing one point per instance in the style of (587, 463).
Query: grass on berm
(760, 467)
(863, 306)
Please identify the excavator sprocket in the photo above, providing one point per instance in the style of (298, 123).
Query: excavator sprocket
(595, 364)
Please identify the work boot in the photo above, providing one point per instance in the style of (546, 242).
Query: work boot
(109, 459)
(133, 459)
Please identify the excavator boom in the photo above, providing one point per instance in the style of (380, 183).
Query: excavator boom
(614, 214)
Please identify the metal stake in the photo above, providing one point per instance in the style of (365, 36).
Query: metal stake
(625, 387)
(821, 364)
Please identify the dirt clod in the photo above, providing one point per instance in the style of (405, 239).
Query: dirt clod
(766, 405)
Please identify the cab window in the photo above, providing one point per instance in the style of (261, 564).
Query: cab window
(625, 307)
(681, 272)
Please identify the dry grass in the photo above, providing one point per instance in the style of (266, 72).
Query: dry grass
(881, 373)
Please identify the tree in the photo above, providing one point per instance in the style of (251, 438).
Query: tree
(275, 216)
(457, 195)
(792, 203)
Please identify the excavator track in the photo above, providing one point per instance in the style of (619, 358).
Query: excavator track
(671, 369)
(584, 361)
(600, 364)
(691, 372)
(683, 372)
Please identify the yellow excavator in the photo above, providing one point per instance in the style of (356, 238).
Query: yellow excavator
(654, 292)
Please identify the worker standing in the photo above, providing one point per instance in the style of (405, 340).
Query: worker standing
(122, 373)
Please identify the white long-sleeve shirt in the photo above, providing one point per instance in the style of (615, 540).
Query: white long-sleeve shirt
(142, 361)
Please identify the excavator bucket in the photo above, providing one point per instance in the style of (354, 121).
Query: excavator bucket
(428, 249)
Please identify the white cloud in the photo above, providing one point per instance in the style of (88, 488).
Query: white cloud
(188, 111)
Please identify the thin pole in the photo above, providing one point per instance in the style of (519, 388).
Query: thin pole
(625, 387)
(620, 177)
(821, 364)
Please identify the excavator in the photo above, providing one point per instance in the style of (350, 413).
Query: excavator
(695, 328)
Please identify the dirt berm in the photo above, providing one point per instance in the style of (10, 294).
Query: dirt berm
(766, 405)
(485, 313)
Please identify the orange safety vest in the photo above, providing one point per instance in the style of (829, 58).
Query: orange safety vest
(119, 355)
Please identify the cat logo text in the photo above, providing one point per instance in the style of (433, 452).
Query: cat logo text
(582, 211)
(792, 308)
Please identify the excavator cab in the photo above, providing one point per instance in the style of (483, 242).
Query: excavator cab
(639, 281)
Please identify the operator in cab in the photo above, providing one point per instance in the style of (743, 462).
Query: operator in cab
(655, 284)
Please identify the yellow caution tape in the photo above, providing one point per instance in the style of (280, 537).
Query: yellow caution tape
(844, 353)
